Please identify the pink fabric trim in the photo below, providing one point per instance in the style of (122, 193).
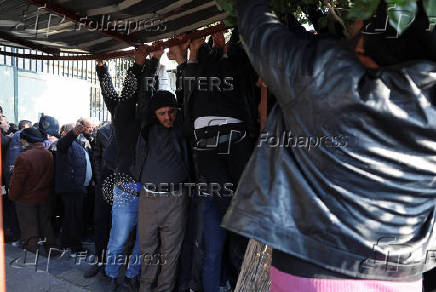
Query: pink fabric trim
(283, 282)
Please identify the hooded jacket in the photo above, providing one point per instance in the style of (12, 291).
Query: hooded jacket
(353, 188)
(132, 118)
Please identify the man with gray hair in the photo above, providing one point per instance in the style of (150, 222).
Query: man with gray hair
(73, 174)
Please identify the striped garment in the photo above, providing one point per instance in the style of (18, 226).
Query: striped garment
(283, 282)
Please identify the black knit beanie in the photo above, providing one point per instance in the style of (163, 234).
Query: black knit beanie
(162, 98)
(32, 135)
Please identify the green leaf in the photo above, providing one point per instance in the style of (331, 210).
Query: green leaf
(430, 10)
(401, 14)
(229, 21)
(229, 7)
(363, 9)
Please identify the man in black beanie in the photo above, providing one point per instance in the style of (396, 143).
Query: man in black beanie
(163, 106)
(162, 206)
(31, 188)
(152, 151)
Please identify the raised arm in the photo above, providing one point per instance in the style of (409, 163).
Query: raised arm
(143, 72)
(282, 56)
(110, 96)
(65, 142)
(124, 112)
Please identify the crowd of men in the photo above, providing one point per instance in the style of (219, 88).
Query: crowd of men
(163, 173)
(42, 183)
(157, 180)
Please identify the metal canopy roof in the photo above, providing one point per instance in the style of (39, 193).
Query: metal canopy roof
(99, 26)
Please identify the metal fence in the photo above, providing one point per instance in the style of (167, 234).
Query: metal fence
(84, 70)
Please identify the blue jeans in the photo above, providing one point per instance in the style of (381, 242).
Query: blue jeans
(124, 221)
(214, 239)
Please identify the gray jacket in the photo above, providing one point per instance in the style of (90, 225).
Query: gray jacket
(361, 199)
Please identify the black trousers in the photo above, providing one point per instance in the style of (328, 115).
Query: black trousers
(102, 223)
(224, 166)
(35, 223)
(88, 210)
(72, 227)
(429, 282)
(191, 256)
(11, 225)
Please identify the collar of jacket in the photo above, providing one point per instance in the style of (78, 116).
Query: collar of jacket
(36, 145)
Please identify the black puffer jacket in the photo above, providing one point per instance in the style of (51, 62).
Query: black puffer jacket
(361, 200)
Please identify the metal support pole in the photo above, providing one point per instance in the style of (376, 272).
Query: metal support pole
(15, 74)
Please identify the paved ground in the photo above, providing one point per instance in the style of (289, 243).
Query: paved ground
(24, 274)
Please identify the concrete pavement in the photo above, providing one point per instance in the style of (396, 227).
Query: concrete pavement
(27, 272)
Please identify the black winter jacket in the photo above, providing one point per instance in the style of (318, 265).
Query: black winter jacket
(238, 96)
(125, 127)
(70, 165)
(102, 140)
(361, 200)
(131, 117)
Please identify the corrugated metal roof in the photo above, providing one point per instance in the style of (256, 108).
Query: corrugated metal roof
(99, 26)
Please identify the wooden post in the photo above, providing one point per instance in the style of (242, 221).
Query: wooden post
(254, 275)
(2, 241)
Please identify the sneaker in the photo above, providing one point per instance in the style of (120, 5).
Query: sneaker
(16, 243)
(132, 284)
(92, 271)
(113, 285)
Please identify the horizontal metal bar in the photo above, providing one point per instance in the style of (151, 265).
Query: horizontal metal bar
(28, 44)
(169, 43)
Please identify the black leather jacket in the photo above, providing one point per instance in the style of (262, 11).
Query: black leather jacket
(361, 200)
(102, 140)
